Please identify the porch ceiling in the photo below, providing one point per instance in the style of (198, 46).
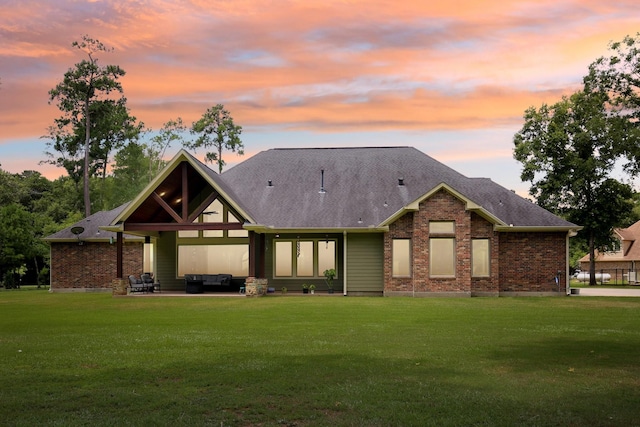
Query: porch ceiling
(182, 183)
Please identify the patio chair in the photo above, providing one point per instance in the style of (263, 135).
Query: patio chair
(148, 281)
(136, 285)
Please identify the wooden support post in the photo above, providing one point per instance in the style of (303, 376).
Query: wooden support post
(262, 255)
(252, 253)
(185, 192)
(119, 251)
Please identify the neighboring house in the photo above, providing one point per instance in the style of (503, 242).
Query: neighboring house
(391, 221)
(618, 263)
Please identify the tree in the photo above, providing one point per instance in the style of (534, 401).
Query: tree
(32, 207)
(81, 87)
(568, 151)
(617, 77)
(171, 132)
(70, 148)
(8, 184)
(217, 130)
(113, 128)
(130, 174)
(17, 241)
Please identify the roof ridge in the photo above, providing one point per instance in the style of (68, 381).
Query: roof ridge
(339, 148)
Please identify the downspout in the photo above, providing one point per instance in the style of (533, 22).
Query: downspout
(344, 262)
(413, 269)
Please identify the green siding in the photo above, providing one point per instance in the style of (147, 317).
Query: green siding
(166, 261)
(365, 263)
(365, 259)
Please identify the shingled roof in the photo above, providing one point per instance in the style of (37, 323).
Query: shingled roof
(364, 188)
(350, 188)
(90, 231)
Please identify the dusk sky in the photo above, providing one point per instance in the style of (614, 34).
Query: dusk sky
(452, 79)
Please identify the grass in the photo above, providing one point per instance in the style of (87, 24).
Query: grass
(91, 359)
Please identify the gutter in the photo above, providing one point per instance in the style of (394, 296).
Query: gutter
(264, 229)
(536, 228)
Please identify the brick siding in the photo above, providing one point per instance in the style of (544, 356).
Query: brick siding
(91, 265)
(530, 262)
(519, 262)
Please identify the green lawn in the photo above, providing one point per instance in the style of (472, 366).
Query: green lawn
(91, 359)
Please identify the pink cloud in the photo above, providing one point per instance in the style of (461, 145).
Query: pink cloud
(334, 66)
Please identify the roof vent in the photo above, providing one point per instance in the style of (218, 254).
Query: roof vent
(269, 183)
(322, 190)
(400, 181)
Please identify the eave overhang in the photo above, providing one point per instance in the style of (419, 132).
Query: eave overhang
(573, 231)
(128, 236)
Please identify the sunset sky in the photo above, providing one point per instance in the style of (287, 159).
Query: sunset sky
(450, 78)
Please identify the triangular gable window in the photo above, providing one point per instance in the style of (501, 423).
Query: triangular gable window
(217, 214)
(236, 233)
(213, 213)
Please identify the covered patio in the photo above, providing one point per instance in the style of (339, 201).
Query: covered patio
(193, 230)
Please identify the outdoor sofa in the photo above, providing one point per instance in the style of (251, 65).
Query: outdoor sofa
(196, 283)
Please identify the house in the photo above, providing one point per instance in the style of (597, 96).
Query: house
(389, 220)
(618, 263)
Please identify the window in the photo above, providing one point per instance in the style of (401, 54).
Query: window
(188, 233)
(148, 259)
(442, 249)
(235, 233)
(304, 258)
(304, 261)
(401, 258)
(442, 257)
(216, 212)
(213, 259)
(442, 227)
(326, 256)
(213, 213)
(480, 257)
(284, 261)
